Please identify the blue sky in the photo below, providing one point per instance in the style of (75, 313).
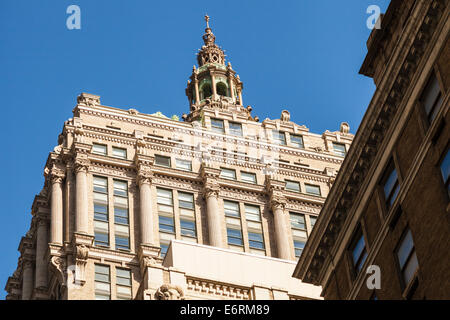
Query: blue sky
(299, 55)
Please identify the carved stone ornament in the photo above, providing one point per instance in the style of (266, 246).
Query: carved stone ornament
(81, 164)
(59, 266)
(88, 100)
(82, 254)
(56, 175)
(285, 116)
(169, 292)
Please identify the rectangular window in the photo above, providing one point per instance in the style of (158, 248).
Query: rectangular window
(123, 284)
(234, 235)
(187, 214)
(391, 185)
(339, 149)
(312, 189)
(445, 171)
(101, 226)
(297, 221)
(298, 247)
(121, 218)
(358, 251)
(165, 210)
(164, 247)
(407, 258)
(248, 177)
(228, 174)
(183, 164)
(252, 213)
(231, 209)
(162, 161)
(119, 153)
(292, 186)
(297, 141)
(235, 129)
(102, 283)
(255, 240)
(279, 137)
(313, 221)
(254, 227)
(431, 98)
(99, 149)
(217, 125)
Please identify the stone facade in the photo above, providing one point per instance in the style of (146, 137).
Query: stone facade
(389, 206)
(142, 206)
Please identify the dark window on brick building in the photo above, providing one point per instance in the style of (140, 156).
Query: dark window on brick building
(445, 171)
(407, 258)
(390, 183)
(358, 251)
(431, 97)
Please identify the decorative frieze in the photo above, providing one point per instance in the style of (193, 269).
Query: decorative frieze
(222, 290)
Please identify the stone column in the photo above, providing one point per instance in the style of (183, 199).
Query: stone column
(56, 207)
(214, 222)
(145, 197)
(211, 194)
(197, 94)
(81, 213)
(283, 248)
(230, 85)
(240, 97)
(213, 86)
(41, 250)
(27, 279)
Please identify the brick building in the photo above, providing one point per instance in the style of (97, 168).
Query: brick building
(389, 206)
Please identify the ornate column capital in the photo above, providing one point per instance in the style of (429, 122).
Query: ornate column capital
(81, 164)
(210, 181)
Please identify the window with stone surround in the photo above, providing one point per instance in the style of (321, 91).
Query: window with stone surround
(254, 228)
(101, 219)
(339, 149)
(235, 129)
(187, 216)
(297, 141)
(102, 281)
(123, 284)
(407, 258)
(217, 126)
(358, 250)
(279, 137)
(99, 149)
(299, 234)
(248, 177)
(312, 189)
(233, 225)
(166, 218)
(120, 153)
(121, 217)
(228, 173)
(185, 165)
(432, 97)
(292, 185)
(162, 161)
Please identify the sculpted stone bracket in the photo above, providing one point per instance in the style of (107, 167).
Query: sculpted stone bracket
(81, 245)
(148, 256)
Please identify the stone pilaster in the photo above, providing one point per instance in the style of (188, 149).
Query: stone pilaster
(27, 279)
(41, 250)
(211, 194)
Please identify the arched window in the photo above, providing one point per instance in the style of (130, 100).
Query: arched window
(205, 91)
(222, 89)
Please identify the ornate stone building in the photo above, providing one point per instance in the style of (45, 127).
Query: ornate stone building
(388, 213)
(141, 206)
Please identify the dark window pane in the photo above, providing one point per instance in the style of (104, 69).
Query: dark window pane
(162, 161)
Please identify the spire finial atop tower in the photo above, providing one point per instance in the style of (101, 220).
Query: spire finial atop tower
(207, 21)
